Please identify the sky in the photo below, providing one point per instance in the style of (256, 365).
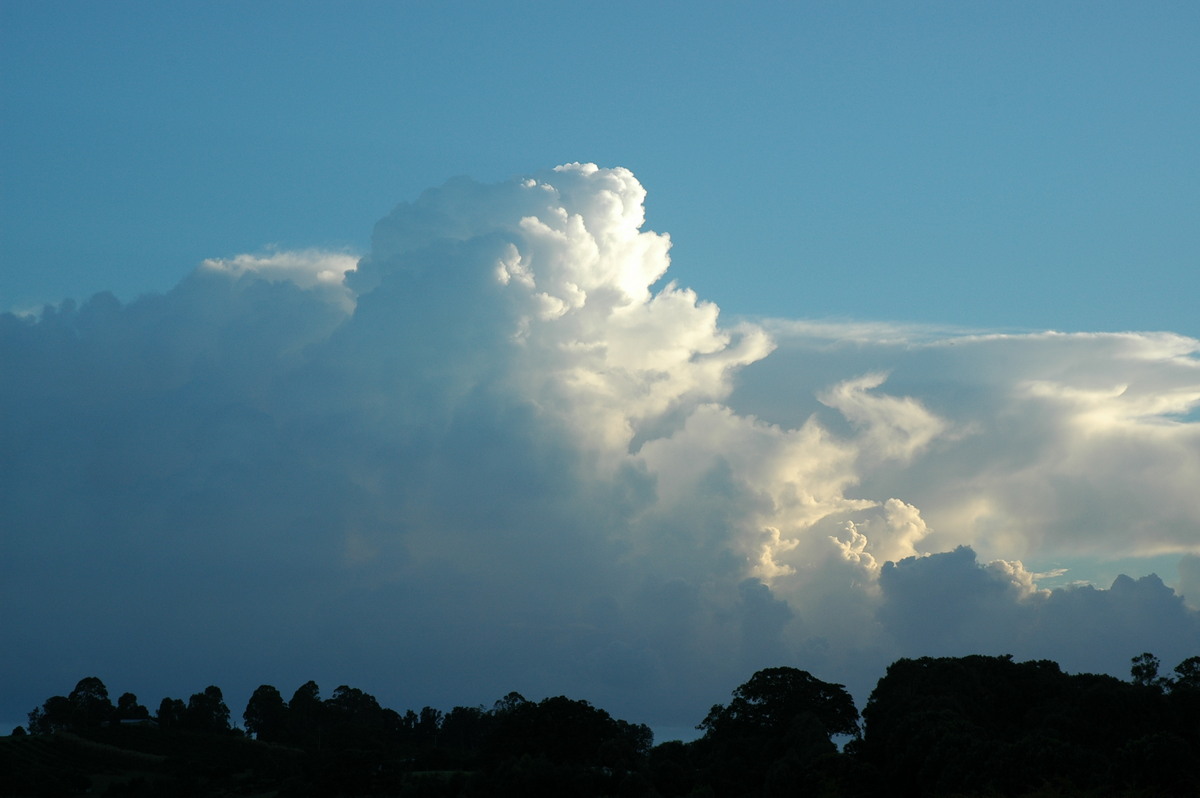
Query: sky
(444, 350)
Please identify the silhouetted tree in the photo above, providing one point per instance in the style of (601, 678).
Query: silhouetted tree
(266, 714)
(90, 703)
(774, 734)
(87, 707)
(56, 714)
(559, 746)
(207, 712)
(306, 715)
(1144, 670)
(510, 702)
(355, 719)
(767, 704)
(128, 708)
(463, 729)
(934, 727)
(171, 713)
(672, 769)
(425, 731)
(988, 725)
(1187, 674)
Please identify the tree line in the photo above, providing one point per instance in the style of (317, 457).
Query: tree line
(964, 726)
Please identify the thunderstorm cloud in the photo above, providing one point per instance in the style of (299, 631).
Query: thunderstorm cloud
(504, 451)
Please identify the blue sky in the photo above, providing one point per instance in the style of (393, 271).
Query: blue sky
(950, 397)
(1012, 165)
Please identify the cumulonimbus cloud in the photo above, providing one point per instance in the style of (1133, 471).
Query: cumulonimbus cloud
(498, 452)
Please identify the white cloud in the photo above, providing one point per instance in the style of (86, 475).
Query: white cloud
(491, 450)
(892, 428)
(1022, 445)
(309, 269)
(892, 534)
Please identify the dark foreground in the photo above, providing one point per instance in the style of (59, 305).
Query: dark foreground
(971, 726)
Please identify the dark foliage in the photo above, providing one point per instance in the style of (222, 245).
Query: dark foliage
(988, 725)
(971, 726)
(129, 709)
(559, 746)
(171, 712)
(775, 736)
(266, 714)
(206, 712)
(87, 707)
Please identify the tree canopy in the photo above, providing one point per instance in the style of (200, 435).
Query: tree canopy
(951, 726)
(777, 731)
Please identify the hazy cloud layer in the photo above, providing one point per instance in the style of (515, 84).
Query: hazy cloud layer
(500, 452)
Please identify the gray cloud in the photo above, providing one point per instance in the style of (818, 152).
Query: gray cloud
(948, 604)
(488, 456)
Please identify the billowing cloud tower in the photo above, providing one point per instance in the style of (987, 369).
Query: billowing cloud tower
(502, 451)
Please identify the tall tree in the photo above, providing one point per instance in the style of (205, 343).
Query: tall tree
(266, 714)
(207, 712)
(773, 698)
(429, 722)
(354, 719)
(306, 715)
(1187, 675)
(91, 704)
(1144, 670)
(776, 733)
(171, 713)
